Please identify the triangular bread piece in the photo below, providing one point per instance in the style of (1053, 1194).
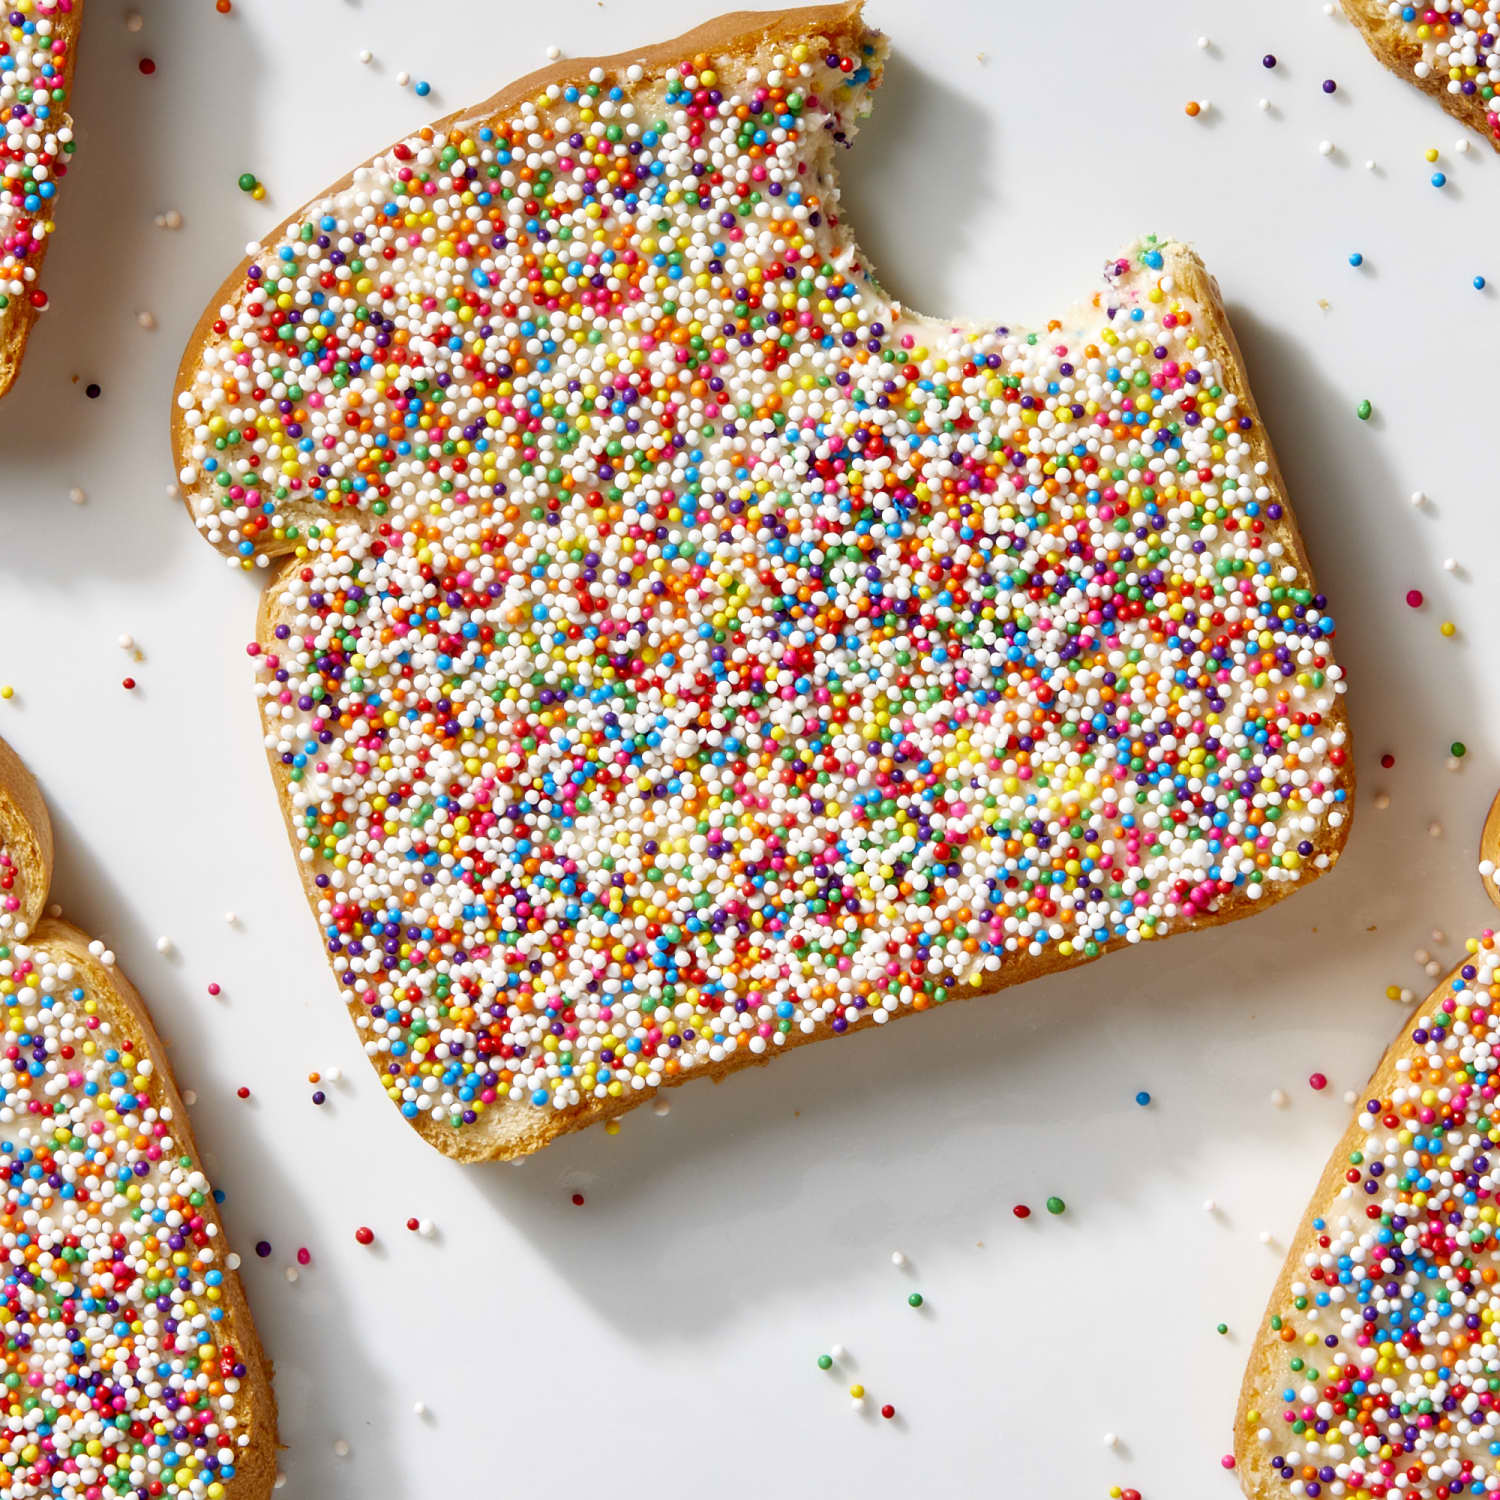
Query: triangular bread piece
(677, 651)
(1451, 51)
(38, 50)
(1376, 1371)
(130, 1362)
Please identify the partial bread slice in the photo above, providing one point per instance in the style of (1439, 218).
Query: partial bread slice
(25, 847)
(42, 154)
(1434, 1402)
(405, 472)
(109, 1232)
(1402, 47)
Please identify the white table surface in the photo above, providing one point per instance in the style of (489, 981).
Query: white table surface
(661, 1339)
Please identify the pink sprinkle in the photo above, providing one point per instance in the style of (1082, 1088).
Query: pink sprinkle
(1227, 1461)
(1414, 598)
(304, 1255)
(213, 989)
(1318, 1081)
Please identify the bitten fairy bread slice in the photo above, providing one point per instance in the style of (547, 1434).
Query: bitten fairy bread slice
(678, 651)
(38, 48)
(1448, 49)
(130, 1363)
(1377, 1370)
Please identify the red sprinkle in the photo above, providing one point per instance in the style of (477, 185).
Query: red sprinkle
(1387, 760)
(364, 1236)
(128, 682)
(412, 1224)
(1414, 598)
(147, 66)
(577, 1200)
(887, 1412)
(243, 1092)
(1021, 1211)
(1318, 1081)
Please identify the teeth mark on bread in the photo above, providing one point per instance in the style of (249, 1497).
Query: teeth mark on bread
(677, 652)
(130, 1358)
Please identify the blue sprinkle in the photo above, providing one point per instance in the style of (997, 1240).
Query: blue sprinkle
(1439, 179)
(1356, 259)
(1143, 1098)
(1479, 283)
(423, 88)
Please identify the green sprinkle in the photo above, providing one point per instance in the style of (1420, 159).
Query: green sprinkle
(825, 1361)
(247, 182)
(1363, 410)
(1458, 749)
(915, 1300)
(1223, 1328)
(1055, 1205)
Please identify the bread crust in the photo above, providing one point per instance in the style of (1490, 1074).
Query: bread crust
(1262, 1382)
(507, 1129)
(21, 804)
(19, 318)
(1388, 39)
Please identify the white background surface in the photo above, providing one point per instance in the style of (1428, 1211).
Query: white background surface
(665, 1333)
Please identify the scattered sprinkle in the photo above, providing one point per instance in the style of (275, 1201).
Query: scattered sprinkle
(1056, 1206)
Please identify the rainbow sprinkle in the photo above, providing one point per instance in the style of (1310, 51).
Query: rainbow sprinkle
(682, 649)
